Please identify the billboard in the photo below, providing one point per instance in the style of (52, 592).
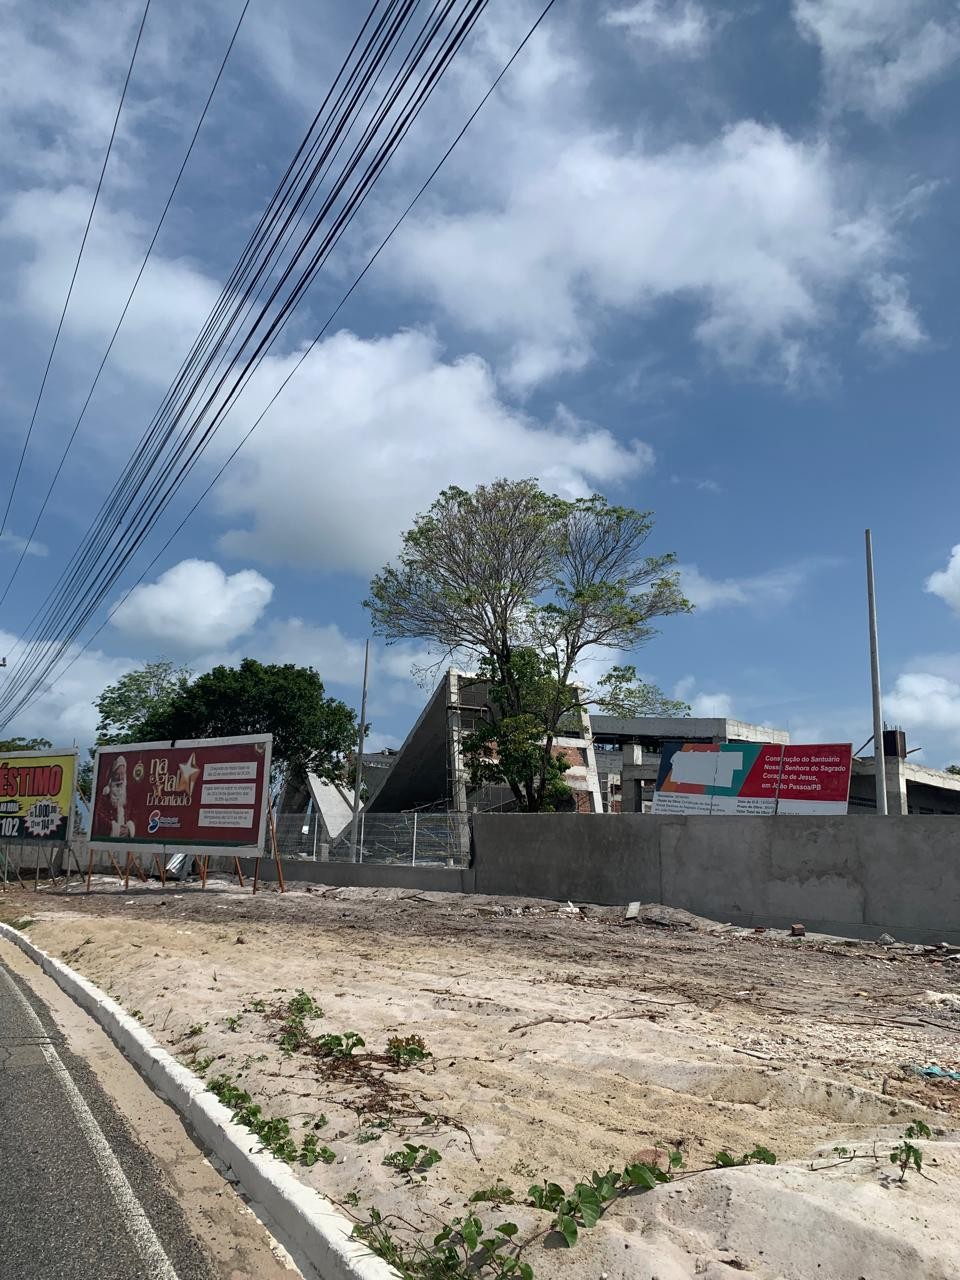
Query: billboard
(36, 795)
(760, 778)
(209, 794)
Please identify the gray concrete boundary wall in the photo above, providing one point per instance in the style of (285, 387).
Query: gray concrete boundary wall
(424, 877)
(860, 877)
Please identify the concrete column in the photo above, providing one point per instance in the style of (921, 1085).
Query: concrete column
(896, 779)
(590, 760)
(458, 777)
(630, 778)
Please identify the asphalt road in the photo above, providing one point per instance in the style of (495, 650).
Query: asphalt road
(80, 1197)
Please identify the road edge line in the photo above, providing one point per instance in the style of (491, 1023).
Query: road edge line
(300, 1218)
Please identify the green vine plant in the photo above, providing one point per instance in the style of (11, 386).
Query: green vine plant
(907, 1153)
(413, 1158)
(464, 1248)
(272, 1131)
(759, 1155)
(405, 1051)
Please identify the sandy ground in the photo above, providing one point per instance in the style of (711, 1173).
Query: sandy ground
(563, 1041)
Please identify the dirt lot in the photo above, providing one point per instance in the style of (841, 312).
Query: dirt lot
(562, 1041)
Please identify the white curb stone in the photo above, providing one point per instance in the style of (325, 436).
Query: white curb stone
(301, 1219)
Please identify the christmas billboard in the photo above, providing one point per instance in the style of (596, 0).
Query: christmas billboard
(210, 794)
(758, 778)
(36, 795)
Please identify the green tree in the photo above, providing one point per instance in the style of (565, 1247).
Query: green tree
(125, 706)
(24, 744)
(510, 749)
(310, 731)
(622, 693)
(526, 583)
(85, 780)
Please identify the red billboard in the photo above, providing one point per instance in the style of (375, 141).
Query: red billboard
(210, 794)
(753, 778)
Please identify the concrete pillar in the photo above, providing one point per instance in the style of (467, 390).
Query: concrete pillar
(630, 778)
(896, 777)
(590, 760)
(458, 777)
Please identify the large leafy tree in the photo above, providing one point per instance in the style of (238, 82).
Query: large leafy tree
(310, 731)
(138, 695)
(527, 584)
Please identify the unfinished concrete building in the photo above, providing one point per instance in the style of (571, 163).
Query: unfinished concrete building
(429, 772)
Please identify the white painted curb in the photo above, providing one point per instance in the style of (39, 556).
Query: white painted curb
(301, 1219)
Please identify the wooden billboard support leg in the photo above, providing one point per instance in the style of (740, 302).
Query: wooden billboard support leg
(204, 868)
(161, 865)
(256, 874)
(276, 852)
(116, 867)
(236, 863)
(51, 874)
(89, 869)
(126, 878)
(139, 870)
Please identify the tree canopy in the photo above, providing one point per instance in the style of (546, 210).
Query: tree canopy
(24, 744)
(138, 695)
(527, 584)
(622, 693)
(310, 731)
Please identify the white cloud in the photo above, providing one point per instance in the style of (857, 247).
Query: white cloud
(336, 657)
(194, 607)
(368, 433)
(761, 233)
(895, 323)
(945, 583)
(922, 700)
(44, 227)
(64, 712)
(681, 28)
(878, 55)
(703, 704)
(776, 586)
(705, 485)
(18, 544)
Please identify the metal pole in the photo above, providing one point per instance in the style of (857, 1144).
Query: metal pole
(361, 737)
(316, 828)
(878, 761)
(413, 859)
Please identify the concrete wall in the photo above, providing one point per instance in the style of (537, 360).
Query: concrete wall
(864, 877)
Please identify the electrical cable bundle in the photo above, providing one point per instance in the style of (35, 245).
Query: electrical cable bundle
(393, 67)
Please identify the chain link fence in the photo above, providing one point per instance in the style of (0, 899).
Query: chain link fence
(407, 838)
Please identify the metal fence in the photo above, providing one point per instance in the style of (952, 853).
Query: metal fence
(408, 838)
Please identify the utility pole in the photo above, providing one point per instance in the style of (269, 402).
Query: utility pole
(878, 761)
(361, 737)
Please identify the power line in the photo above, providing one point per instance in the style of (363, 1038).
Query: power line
(73, 278)
(134, 535)
(147, 449)
(394, 128)
(126, 307)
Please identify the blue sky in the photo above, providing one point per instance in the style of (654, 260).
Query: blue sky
(699, 258)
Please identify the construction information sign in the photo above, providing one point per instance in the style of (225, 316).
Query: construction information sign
(753, 778)
(36, 795)
(210, 794)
